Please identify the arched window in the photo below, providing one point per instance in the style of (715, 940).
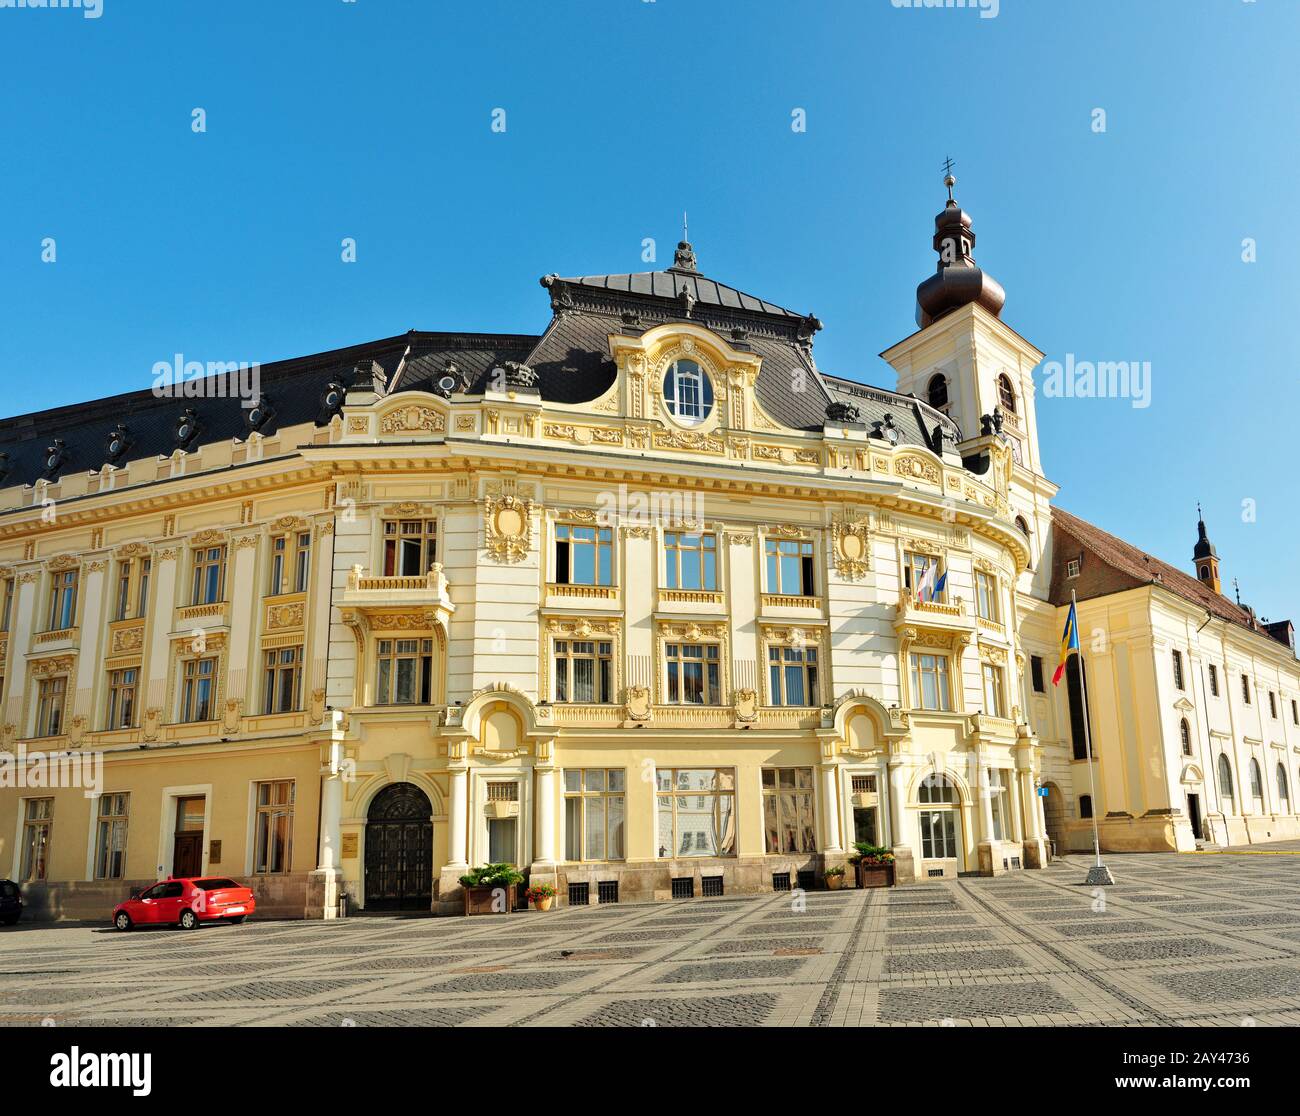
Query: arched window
(1257, 786)
(1023, 528)
(1185, 733)
(1225, 779)
(1283, 791)
(939, 820)
(688, 392)
(1006, 394)
(1085, 805)
(937, 789)
(938, 391)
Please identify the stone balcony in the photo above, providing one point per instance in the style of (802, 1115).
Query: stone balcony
(405, 603)
(950, 616)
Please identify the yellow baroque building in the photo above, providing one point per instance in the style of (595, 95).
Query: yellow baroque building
(647, 604)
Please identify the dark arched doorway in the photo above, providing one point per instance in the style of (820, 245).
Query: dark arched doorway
(399, 850)
(1054, 818)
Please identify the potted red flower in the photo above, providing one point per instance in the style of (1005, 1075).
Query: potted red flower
(541, 896)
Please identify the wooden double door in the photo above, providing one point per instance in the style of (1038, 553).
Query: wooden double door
(399, 850)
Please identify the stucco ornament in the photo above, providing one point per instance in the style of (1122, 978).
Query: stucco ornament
(507, 526)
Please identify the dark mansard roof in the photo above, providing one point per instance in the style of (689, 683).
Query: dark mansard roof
(570, 360)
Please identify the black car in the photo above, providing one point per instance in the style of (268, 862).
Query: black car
(11, 902)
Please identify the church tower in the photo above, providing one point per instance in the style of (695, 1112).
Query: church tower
(965, 361)
(1205, 556)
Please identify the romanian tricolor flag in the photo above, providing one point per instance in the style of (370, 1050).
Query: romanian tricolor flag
(1069, 643)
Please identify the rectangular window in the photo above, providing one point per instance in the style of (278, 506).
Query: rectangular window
(142, 587)
(790, 567)
(999, 798)
(1214, 680)
(274, 833)
(410, 546)
(1245, 689)
(63, 599)
(792, 676)
(594, 813)
(584, 671)
(938, 834)
(131, 594)
(1036, 673)
(290, 563)
(405, 672)
(282, 688)
(1272, 705)
(986, 595)
(584, 555)
(6, 603)
(110, 836)
(994, 705)
(693, 676)
(209, 575)
(1072, 568)
(122, 601)
(38, 822)
(198, 690)
(122, 686)
(695, 811)
(788, 810)
(1295, 708)
(915, 566)
(690, 561)
(1178, 670)
(1074, 681)
(50, 696)
(930, 682)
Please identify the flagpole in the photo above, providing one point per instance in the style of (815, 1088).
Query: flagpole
(1099, 873)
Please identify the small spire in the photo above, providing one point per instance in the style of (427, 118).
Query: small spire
(1236, 589)
(948, 179)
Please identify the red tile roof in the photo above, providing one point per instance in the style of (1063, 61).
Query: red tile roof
(1143, 568)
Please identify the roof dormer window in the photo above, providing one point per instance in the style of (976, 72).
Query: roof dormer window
(688, 392)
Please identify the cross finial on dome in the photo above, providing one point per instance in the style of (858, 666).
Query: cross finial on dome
(948, 179)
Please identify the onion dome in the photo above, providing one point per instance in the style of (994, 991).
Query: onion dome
(957, 280)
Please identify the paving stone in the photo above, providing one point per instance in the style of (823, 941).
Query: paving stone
(953, 960)
(449, 1016)
(938, 937)
(766, 945)
(1160, 949)
(713, 971)
(970, 1001)
(716, 1011)
(1208, 986)
(527, 981)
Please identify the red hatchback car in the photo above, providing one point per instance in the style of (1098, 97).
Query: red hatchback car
(186, 903)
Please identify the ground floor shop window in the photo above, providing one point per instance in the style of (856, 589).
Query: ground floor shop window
(594, 813)
(38, 823)
(788, 810)
(110, 837)
(696, 811)
(274, 827)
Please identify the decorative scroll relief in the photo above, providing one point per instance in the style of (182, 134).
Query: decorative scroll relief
(208, 538)
(44, 668)
(63, 562)
(358, 424)
(507, 525)
(283, 616)
(583, 628)
(413, 418)
(916, 468)
(691, 632)
(787, 455)
(692, 440)
(851, 548)
(637, 705)
(993, 655)
(126, 640)
(746, 705)
(583, 435)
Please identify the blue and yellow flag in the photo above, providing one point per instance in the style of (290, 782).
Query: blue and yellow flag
(1069, 643)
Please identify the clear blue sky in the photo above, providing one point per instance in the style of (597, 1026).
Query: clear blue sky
(371, 119)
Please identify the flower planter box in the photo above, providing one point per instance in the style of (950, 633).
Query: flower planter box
(875, 875)
(487, 900)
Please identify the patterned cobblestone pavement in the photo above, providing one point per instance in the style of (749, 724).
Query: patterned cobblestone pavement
(1180, 940)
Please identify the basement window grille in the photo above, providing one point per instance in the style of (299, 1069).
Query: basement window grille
(807, 880)
(683, 887)
(607, 891)
(935, 872)
(780, 881)
(1015, 862)
(579, 894)
(712, 886)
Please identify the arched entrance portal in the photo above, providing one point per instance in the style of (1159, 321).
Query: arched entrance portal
(1054, 818)
(399, 850)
